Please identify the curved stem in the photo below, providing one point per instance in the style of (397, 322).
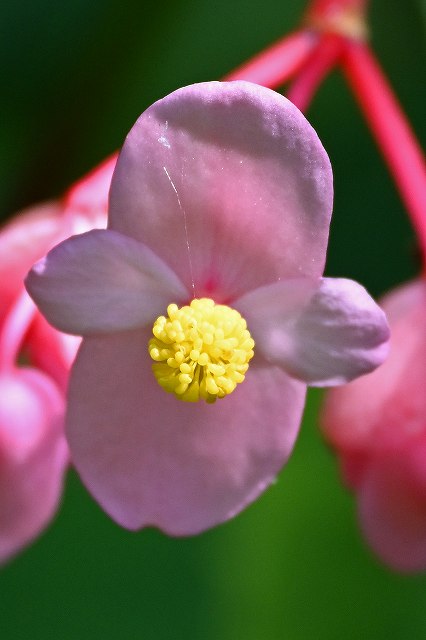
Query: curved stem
(319, 63)
(14, 328)
(275, 65)
(391, 129)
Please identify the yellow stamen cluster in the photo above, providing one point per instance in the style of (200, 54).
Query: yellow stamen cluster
(201, 350)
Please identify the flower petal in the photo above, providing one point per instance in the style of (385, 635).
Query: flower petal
(33, 456)
(387, 406)
(219, 177)
(152, 460)
(86, 202)
(392, 510)
(102, 281)
(24, 240)
(325, 332)
(51, 351)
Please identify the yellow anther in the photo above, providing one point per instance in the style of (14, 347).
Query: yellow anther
(201, 350)
(203, 359)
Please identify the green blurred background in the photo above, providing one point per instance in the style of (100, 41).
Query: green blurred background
(75, 77)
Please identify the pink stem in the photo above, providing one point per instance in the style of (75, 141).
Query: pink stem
(14, 328)
(319, 63)
(393, 133)
(275, 65)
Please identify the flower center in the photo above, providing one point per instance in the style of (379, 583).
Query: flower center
(201, 350)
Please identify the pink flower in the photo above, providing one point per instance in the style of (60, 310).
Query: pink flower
(33, 451)
(221, 201)
(377, 425)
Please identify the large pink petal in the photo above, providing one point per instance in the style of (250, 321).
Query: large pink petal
(102, 281)
(229, 184)
(33, 456)
(324, 332)
(150, 459)
(389, 405)
(392, 508)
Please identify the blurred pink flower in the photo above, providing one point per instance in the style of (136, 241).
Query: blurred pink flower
(33, 453)
(222, 190)
(377, 425)
(34, 364)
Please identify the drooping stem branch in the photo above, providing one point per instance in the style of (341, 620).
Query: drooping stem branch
(319, 63)
(278, 63)
(14, 328)
(391, 129)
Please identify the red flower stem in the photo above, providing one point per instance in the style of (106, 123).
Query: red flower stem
(391, 129)
(319, 63)
(15, 326)
(275, 65)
